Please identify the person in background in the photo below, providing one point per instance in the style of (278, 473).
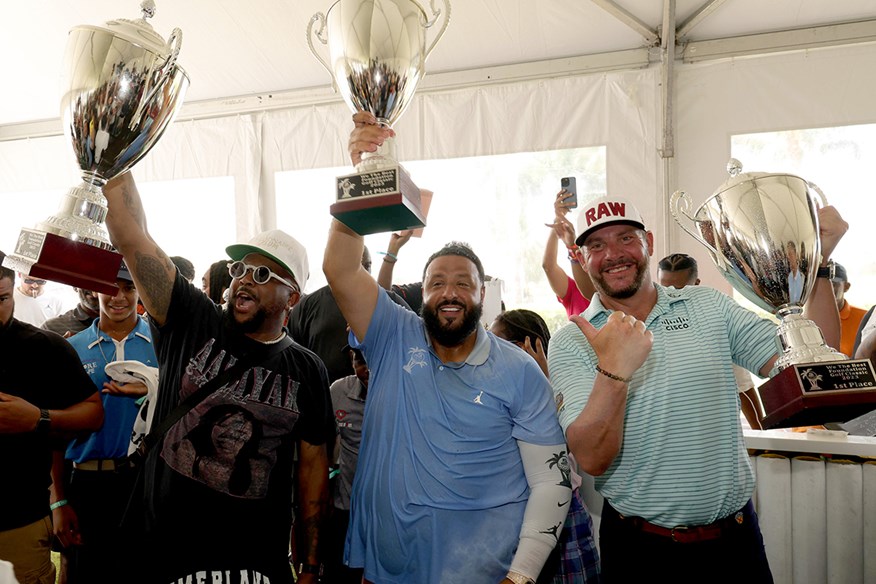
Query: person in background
(219, 499)
(575, 559)
(99, 486)
(679, 270)
(411, 293)
(77, 318)
(36, 411)
(316, 323)
(850, 316)
(185, 267)
(647, 398)
(216, 281)
(348, 402)
(574, 291)
(527, 330)
(32, 304)
(479, 493)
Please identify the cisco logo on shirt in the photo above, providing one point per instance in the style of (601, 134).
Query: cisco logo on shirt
(676, 324)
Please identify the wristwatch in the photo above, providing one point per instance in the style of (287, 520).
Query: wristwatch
(44, 424)
(310, 569)
(828, 271)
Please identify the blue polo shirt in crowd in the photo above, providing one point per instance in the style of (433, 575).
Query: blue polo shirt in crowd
(96, 349)
(440, 489)
(683, 459)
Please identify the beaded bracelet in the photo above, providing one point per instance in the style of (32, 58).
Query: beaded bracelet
(386, 255)
(613, 376)
(57, 504)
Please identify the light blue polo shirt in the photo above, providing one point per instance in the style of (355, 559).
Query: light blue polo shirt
(440, 490)
(683, 459)
(96, 349)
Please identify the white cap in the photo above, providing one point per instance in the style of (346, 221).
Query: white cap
(280, 247)
(607, 211)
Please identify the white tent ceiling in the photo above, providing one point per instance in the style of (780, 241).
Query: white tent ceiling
(257, 48)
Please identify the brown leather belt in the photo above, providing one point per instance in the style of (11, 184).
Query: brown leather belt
(689, 534)
(100, 464)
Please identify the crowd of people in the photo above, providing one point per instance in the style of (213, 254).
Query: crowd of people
(376, 432)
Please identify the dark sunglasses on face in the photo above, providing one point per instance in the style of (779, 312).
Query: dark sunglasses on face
(33, 281)
(260, 274)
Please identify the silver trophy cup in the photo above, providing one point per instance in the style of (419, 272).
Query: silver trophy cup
(376, 57)
(121, 87)
(762, 232)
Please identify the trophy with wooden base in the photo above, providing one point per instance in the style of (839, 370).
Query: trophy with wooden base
(762, 232)
(377, 50)
(122, 87)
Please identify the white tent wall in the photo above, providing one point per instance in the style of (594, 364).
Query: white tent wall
(621, 109)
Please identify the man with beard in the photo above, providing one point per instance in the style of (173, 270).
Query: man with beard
(647, 397)
(462, 473)
(200, 525)
(77, 318)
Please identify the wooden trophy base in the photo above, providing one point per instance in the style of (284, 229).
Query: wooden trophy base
(814, 394)
(52, 257)
(378, 201)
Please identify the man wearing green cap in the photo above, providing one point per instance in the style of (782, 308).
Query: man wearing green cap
(218, 483)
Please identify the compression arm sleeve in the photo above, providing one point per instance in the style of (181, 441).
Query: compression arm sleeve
(547, 472)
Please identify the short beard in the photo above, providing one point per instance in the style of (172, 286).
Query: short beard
(623, 293)
(455, 336)
(248, 326)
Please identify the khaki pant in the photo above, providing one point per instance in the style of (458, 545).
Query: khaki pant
(29, 550)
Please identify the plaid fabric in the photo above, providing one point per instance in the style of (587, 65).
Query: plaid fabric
(575, 560)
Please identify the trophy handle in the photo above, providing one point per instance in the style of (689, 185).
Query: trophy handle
(821, 197)
(428, 24)
(679, 203)
(320, 35)
(174, 44)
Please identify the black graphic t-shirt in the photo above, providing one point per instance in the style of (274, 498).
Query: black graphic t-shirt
(219, 488)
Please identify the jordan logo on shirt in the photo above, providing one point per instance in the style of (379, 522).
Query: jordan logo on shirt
(477, 400)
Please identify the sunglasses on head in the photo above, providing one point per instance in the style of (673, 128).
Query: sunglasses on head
(260, 274)
(34, 281)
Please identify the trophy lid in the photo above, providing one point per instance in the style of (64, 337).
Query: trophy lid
(139, 31)
(734, 169)
(737, 177)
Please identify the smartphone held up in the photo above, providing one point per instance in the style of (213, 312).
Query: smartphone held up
(567, 184)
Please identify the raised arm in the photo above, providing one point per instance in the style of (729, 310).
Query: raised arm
(557, 278)
(151, 268)
(566, 232)
(396, 242)
(354, 289)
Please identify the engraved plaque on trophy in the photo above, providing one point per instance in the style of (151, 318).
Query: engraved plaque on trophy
(762, 232)
(377, 55)
(121, 87)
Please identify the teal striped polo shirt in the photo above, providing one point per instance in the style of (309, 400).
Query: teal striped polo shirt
(683, 460)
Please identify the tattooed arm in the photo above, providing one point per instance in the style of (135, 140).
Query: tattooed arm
(312, 501)
(152, 270)
(547, 472)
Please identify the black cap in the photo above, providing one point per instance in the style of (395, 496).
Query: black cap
(124, 274)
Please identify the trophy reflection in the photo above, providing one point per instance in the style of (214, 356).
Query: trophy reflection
(377, 50)
(121, 88)
(762, 232)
